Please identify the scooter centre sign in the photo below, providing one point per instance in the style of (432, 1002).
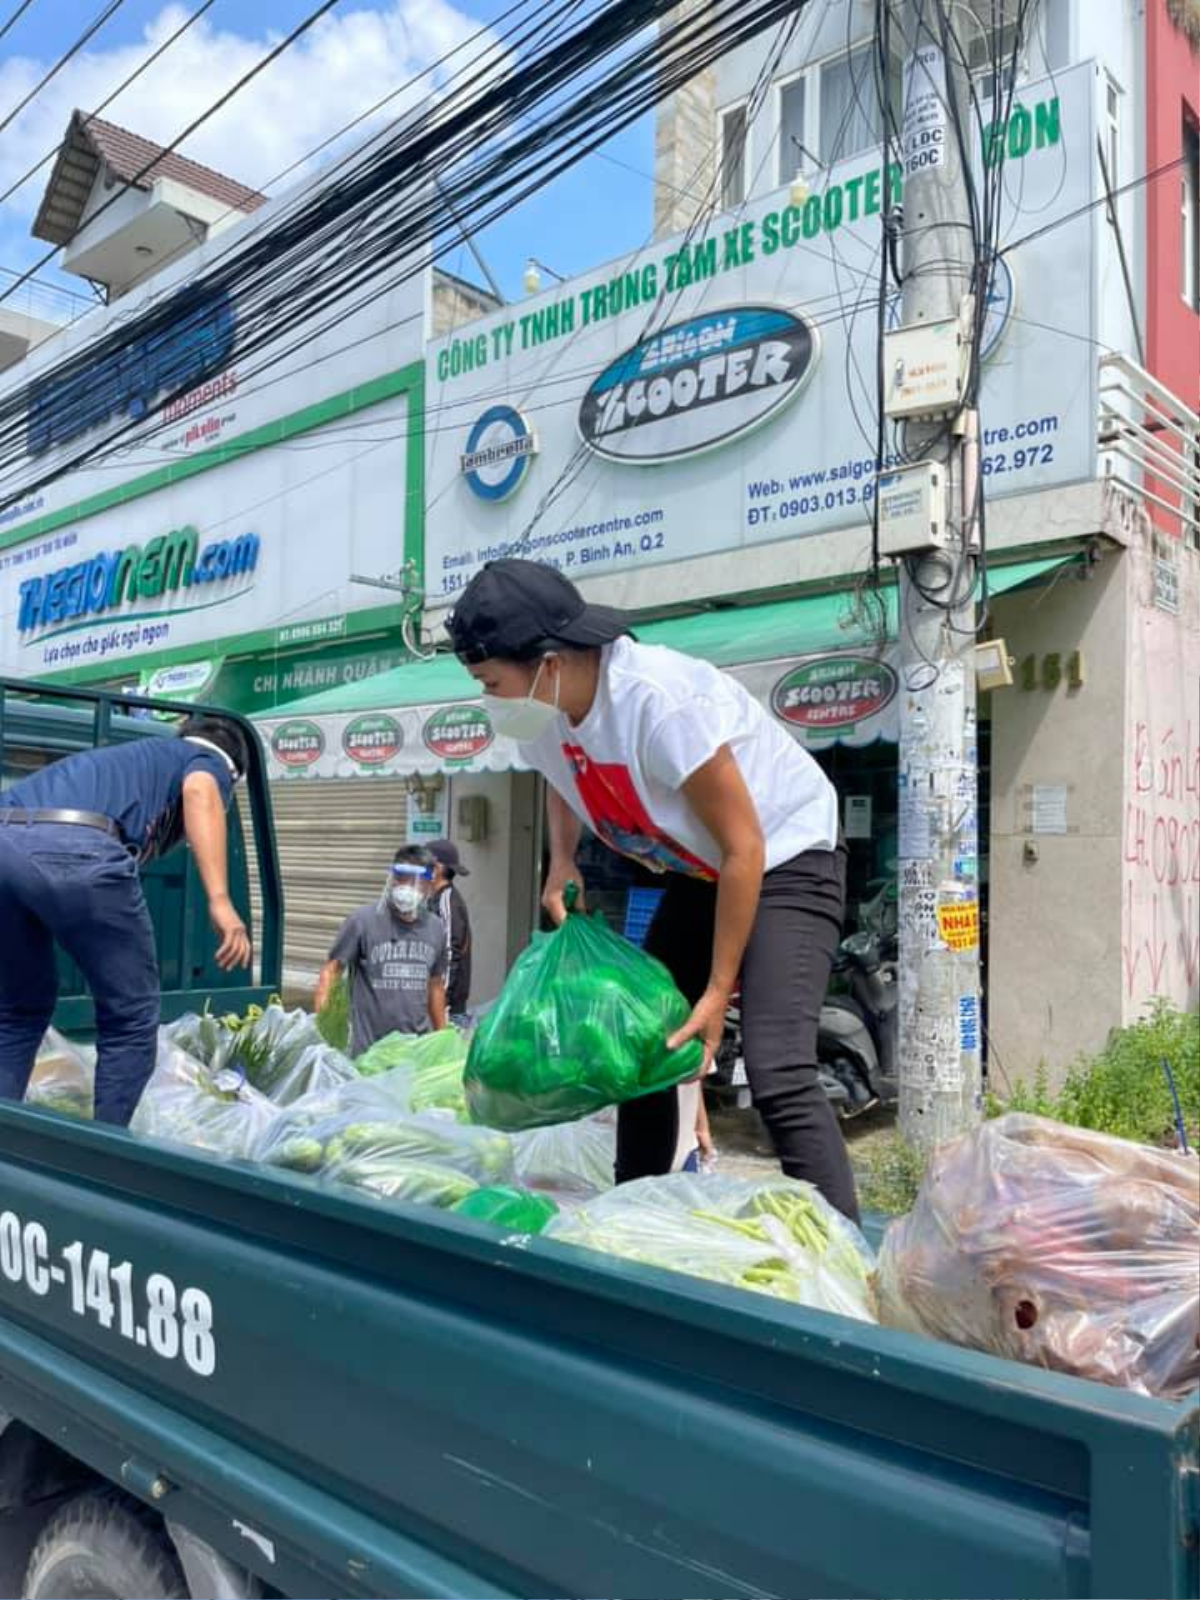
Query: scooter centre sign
(698, 384)
(829, 693)
(691, 399)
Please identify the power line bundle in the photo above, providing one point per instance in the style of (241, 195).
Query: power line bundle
(496, 135)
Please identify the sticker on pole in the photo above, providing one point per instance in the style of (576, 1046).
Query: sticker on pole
(924, 110)
(958, 922)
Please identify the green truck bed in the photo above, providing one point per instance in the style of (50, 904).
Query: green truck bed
(346, 1398)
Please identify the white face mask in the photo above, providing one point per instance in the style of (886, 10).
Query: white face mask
(407, 899)
(523, 718)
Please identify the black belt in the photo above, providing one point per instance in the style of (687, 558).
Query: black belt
(78, 819)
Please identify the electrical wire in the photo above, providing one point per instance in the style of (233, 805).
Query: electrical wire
(89, 32)
(16, 17)
(108, 99)
(307, 262)
(129, 183)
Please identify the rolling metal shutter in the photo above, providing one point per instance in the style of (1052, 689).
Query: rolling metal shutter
(337, 837)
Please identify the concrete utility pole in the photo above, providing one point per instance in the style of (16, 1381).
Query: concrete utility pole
(940, 1021)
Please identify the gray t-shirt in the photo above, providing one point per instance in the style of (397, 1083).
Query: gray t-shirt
(390, 963)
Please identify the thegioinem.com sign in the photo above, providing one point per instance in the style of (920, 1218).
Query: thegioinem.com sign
(117, 580)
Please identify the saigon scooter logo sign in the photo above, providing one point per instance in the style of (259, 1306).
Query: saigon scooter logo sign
(698, 384)
(458, 733)
(373, 740)
(830, 692)
(297, 744)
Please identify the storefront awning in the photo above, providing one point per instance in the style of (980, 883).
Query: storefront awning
(818, 664)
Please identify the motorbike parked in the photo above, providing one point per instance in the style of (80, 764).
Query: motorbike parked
(856, 1037)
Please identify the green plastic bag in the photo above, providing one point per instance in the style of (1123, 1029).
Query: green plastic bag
(516, 1210)
(582, 1023)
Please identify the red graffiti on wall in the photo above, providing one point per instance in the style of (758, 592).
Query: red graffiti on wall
(1161, 854)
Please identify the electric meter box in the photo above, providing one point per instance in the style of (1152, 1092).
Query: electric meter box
(912, 509)
(925, 368)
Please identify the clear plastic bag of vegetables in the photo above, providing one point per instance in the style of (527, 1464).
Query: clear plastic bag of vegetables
(779, 1237)
(1055, 1245)
(280, 1053)
(63, 1077)
(188, 1103)
(371, 1144)
(434, 1061)
(571, 1160)
(581, 1023)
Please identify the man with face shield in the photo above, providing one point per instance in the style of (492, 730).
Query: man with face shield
(394, 953)
(673, 763)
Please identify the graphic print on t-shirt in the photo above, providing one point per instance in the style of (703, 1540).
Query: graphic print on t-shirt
(620, 819)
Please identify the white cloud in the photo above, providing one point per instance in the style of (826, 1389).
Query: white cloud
(333, 73)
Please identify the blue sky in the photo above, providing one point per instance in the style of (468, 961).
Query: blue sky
(356, 55)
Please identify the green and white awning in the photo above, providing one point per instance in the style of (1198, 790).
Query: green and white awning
(823, 665)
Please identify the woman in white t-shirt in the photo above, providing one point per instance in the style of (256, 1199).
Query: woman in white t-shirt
(672, 763)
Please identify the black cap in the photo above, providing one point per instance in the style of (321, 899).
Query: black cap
(446, 851)
(519, 609)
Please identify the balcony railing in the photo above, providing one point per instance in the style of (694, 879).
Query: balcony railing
(45, 302)
(1149, 443)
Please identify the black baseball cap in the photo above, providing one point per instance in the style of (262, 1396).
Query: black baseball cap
(517, 610)
(446, 851)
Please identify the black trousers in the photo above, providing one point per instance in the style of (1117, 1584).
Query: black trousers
(785, 973)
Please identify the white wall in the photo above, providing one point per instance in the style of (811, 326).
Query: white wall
(501, 888)
(1054, 922)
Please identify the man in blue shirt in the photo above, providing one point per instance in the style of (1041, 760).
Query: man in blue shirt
(72, 837)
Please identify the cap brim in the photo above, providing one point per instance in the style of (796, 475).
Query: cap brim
(595, 625)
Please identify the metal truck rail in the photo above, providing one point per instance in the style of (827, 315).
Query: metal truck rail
(342, 1397)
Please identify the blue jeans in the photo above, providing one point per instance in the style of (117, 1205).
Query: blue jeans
(80, 887)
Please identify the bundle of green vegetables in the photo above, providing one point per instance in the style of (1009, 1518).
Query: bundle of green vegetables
(280, 1053)
(369, 1143)
(780, 1238)
(434, 1062)
(582, 1023)
(186, 1102)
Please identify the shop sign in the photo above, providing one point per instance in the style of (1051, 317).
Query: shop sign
(193, 339)
(297, 744)
(185, 682)
(500, 448)
(129, 579)
(458, 733)
(372, 740)
(698, 384)
(830, 692)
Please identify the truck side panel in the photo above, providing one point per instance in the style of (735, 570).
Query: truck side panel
(400, 1404)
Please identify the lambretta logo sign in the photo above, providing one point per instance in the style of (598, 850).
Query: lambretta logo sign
(698, 384)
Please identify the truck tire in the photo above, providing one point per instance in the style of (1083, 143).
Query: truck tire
(104, 1546)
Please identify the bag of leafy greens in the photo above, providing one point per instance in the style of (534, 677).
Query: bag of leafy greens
(582, 1023)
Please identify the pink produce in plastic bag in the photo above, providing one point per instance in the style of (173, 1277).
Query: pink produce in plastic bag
(1058, 1246)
